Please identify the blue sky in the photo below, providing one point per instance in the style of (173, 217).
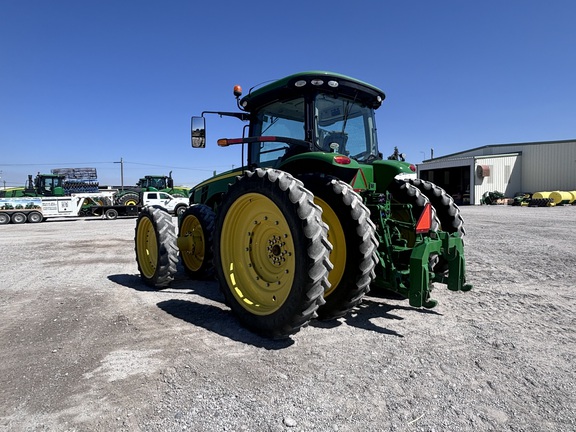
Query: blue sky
(85, 83)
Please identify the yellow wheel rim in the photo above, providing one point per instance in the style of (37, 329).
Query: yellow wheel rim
(130, 202)
(147, 247)
(257, 251)
(191, 243)
(338, 240)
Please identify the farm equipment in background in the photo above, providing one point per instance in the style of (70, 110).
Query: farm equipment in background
(314, 218)
(78, 180)
(52, 185)
(41, 185)
(491, 198)
(150, 183)
(545, 199)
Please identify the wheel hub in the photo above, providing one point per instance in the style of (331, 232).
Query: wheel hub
(276, 254)
(267, 251)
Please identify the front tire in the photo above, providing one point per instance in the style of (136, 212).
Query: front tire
(353, 237)
(271, 252)
(155, 246)
(179, 210)
(195, 239)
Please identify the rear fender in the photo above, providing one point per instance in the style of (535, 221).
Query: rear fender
(332, 164)
(385, 171)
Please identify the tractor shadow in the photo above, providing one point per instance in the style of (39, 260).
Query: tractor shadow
(219, 321)
(375, 307)
(216, 319)
(181, 285)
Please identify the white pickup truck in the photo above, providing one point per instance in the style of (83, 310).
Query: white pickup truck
(173, 205)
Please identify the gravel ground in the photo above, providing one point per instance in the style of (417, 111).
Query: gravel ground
(87, 347)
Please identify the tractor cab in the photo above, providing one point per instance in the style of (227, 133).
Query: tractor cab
(46, 185)
(153, 182)
(305, 112)
(328, 112)
(313, 122)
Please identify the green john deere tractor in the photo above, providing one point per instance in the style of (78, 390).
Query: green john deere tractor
(150, 183)
(50, 185)
(314, 218)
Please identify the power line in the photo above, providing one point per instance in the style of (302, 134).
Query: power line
(57, 163)
(173, 167)
(112, 162)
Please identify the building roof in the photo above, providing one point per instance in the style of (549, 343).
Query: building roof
(497, 146)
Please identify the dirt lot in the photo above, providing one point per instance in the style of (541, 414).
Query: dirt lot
(87, 347)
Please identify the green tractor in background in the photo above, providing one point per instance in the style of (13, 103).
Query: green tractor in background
(314, 218)
(150, 183)
(50, 185)
(42, 185)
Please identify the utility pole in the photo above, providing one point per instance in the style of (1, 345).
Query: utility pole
(121, 173)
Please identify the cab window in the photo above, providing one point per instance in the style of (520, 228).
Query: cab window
(280, 119)
(345, 126)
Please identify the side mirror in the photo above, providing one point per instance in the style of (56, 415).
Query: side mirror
(198, 126)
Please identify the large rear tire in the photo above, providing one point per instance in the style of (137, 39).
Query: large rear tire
(4, 219)
(103, 201)
(155, 246)
(352, 235)
(271, 252)
(446, 209)
(405, 193)
(448, 214)
(195, 239)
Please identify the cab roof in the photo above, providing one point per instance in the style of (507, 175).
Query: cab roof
(311, 82)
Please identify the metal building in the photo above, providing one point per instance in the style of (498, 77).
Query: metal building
(506, 168)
